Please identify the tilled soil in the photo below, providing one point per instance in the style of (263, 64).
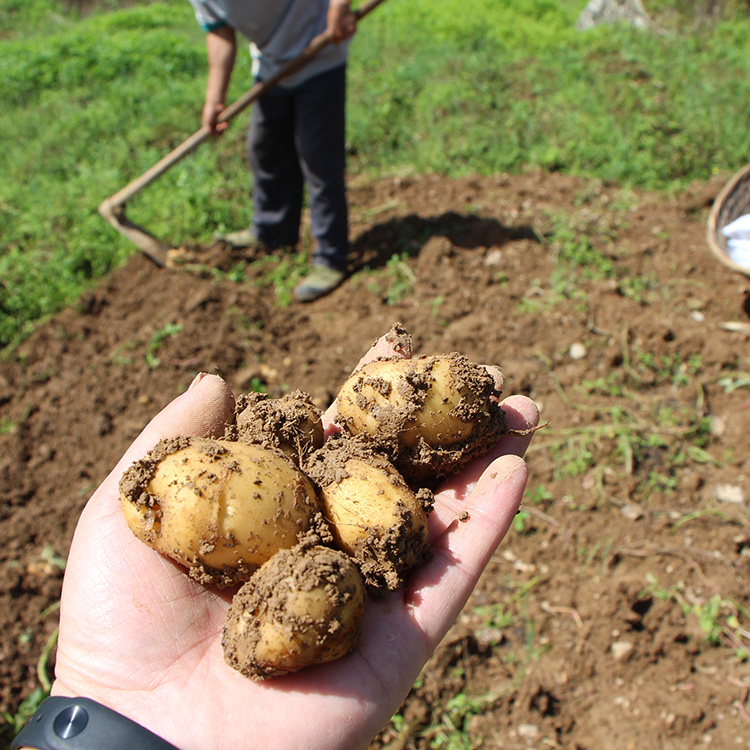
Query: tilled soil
(616, 612)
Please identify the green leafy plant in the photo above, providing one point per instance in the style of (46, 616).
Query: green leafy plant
(723, 622)
(539, 494)
(168, 331)
(451, 732)
(640, 289)
(731, 382)
(15, 722)
(519, 521)
(396, 280)
(638, 435)
(257, 385)
(283, 274)
(235, 274)
(609, 386)
(512, 609)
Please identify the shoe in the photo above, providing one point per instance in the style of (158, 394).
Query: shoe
(243, 238)
(318, 282)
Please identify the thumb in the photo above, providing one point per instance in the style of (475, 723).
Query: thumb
(203, 410)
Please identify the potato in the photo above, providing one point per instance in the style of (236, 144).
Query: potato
(219, 508)
(430, 415)
(373, 514)
(291, 423)
(305, 606)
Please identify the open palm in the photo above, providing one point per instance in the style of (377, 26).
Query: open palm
(138, 635)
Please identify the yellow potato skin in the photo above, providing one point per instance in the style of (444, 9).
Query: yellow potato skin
(374, 515)
(430, 416)
(287, 649)
(370, 500)
(378, 387)
(223, 508)
(366, 392)
(304, 607)
(436, 421)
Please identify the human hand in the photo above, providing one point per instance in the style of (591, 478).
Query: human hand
(210, 117)
(141, 637)
(342, 22)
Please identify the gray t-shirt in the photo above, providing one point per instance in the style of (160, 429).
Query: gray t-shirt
(279, 31)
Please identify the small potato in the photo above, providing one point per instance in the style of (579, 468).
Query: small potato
(291, 423)
(305, 606)
(373, 514)
(430, 415)
(219, 508)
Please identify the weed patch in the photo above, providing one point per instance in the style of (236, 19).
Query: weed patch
(722, 622)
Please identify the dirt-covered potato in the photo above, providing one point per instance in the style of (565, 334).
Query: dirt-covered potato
(305, 606)
(220, 508)
(430, 415)
(373, 514)
(291, 423)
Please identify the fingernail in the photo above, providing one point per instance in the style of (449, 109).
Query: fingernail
(197, 379)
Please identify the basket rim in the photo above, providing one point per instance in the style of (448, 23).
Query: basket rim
(713, 216)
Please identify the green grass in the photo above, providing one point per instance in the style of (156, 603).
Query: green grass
(504, 85)
(85, 108)
(88, 103)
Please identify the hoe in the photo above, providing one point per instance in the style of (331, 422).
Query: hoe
(113, 208)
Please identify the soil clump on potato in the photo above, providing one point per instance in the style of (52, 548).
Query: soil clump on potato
(136, 478)
(291, 423)
(304, 606)
(372, 512)
(400, 340)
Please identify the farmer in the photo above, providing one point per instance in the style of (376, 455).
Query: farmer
(297, 129)
(141, 640)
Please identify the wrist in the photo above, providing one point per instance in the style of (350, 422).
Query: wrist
(130, 703)
(83, 724)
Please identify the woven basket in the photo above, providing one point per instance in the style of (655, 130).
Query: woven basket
(731, 203)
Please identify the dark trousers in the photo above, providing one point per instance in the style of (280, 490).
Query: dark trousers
(297, 138)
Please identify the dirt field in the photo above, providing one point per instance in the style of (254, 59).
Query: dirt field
(612, 616)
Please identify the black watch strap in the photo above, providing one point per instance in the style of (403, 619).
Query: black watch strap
(82, 724)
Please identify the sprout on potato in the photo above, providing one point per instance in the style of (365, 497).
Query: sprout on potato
(305, 606)
(373, 514)
(218, 507)
(430, 415)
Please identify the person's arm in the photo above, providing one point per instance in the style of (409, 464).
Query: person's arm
(221, 47)
(342, 22)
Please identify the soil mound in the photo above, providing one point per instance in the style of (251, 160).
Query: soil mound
(615, 612)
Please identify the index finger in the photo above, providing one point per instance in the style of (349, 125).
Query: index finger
(204, 409)
(522, 415)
